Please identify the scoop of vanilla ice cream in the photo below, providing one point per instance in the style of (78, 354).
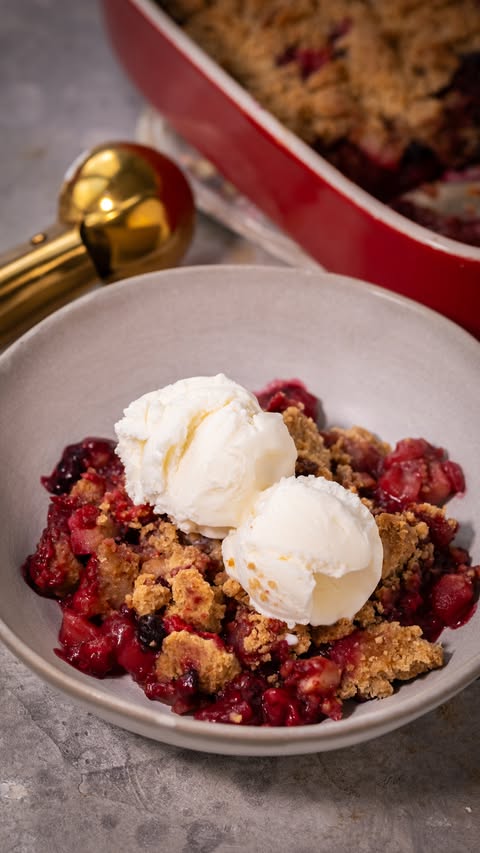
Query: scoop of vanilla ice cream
(309, 552)
(201, 450)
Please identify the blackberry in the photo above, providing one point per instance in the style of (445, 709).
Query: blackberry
(68, 471)
(150, 630)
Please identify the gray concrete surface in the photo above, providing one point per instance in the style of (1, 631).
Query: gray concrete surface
(68, 781)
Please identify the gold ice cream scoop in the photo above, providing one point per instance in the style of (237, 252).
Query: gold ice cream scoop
(124, 209)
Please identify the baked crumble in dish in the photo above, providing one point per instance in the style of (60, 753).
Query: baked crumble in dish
(139, 596)
(388, 91)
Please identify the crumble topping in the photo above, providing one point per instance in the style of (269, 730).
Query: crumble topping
(437, 516)
(403, 539)
(195, 601)
(70, 567)
(313, 457)
(324, 634)
(369, 72)
(182, 651)
(148, 596)
(88, 490)
(117, 567)
(348, 446)
(369, 614)
(386, 653)
(257, 639)
(232, 589)
(302, 634)
(262, 634)
(385, 90)
(164, 554)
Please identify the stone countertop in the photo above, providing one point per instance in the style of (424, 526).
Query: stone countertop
(70, 782)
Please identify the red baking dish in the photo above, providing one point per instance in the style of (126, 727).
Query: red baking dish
(340, 225)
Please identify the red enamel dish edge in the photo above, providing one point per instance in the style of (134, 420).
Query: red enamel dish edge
(340, 225)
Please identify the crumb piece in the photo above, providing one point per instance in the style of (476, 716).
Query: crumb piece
(402, 536)
(106, 526)
(148, 596)
(376, 75)
(437, 517)
(232, 589)
(88, 490)
(262, 633)
(182, 651)
(313, 456)
(211, 547)
(385, 653)
(322, 634)
(256, 638)
(352, 446)
(304, 639)
(163, 554)
(195, 601)
(353, 480)
(117, 570)
(235, 718)
(367, 615)
(66, 566)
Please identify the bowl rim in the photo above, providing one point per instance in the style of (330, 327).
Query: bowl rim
(286, 139)
(324, 735)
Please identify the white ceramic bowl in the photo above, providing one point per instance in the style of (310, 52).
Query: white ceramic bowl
(372, 357)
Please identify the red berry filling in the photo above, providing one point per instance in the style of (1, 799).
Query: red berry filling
(238, 702)
(280, 394)
(107, 649)
(452, 599)
(96, 453)
(53, 569)
(305, 695)
(182, 694)
(85, 536)
(417, 472)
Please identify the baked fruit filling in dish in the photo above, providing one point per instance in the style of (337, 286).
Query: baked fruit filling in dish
(388, 91)
(216, 608)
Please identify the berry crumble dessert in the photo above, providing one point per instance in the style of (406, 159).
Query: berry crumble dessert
(388, 91)
(245, 566)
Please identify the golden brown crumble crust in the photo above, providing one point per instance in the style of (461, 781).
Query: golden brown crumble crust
(387, 62)
(340, 449)
(261, 637)
(388, 652)
(437, 512)
(368, 615)
(323, 634)
(404, 539)
(87, 490)
(148, 595)
(164, 554)
(182, 650)
(65, 558)
(196, 601)
(117, 570)
(312, 455)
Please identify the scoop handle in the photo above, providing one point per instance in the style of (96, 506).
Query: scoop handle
(40, 276)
